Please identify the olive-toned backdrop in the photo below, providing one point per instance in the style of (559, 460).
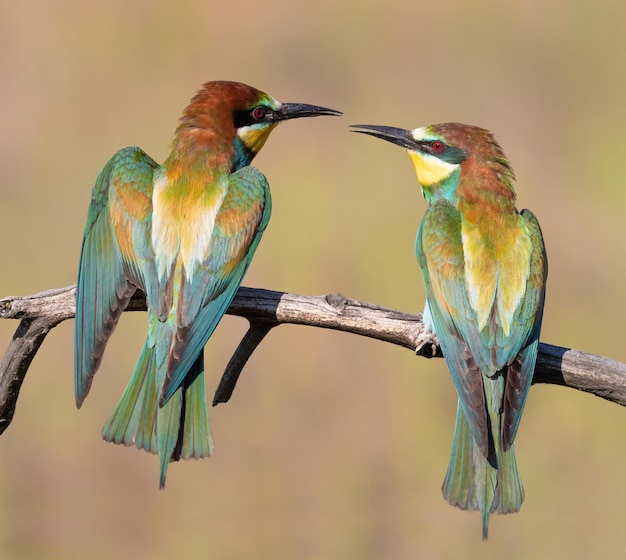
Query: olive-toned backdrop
(333, 446)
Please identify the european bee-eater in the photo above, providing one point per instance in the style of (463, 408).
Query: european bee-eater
(484, 268)
(183, 232)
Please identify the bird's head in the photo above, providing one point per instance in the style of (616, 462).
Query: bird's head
(443, 153)
(232, 114)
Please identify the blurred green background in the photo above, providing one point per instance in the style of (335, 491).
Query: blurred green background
(333, 446)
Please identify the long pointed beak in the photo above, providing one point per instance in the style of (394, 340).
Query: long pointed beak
(297, 110)
(399, 136)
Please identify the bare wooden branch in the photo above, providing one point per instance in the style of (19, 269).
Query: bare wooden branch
(255, 335)
(266, 309)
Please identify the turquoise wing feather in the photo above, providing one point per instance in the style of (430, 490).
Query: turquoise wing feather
(439, 249)
(115, 259)
(525, 330)
(239, 225)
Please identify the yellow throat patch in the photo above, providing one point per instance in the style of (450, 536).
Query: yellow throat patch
(431, 170)
(254, 136)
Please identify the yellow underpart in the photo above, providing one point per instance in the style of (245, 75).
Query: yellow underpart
(431, 170)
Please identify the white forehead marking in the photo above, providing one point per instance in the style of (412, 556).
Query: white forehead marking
(422, 133)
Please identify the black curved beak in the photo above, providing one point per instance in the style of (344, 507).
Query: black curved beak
(398, 136)
(297, 110)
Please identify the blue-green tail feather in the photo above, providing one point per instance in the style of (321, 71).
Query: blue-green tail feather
(133, 420)
(197, 440)
(475, 482)
(179, 429)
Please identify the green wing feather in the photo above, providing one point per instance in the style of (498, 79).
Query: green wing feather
(115, 258)
(239, 226)
(439, 250)
(525, 329)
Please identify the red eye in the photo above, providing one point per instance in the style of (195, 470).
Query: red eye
(437, 146)
(258, 112)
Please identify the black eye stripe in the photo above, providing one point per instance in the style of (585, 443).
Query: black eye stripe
(448, 153)
(248, 117)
